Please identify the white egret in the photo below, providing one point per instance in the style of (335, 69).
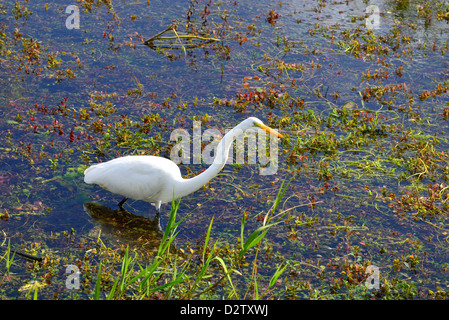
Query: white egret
(158, 180)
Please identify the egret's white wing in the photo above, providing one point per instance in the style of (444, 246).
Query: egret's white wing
(135, 177)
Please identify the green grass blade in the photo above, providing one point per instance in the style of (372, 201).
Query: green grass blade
(35, 293)
(256, 289)
(280, 195)
(98, 283)
(169, 229)
(125, 264)
(206, 241)
(276, 275)
(180, 278)
(112, 292)
(242, 228)
(255, 238)
(227, 273)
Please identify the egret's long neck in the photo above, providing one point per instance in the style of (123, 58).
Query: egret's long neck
(187, 186)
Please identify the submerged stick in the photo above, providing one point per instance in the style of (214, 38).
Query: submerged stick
(177, 36)
(155, 36)
(189, 36)
(184, 49)
(22, 254)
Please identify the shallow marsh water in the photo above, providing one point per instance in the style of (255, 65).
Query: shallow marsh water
(364, 111)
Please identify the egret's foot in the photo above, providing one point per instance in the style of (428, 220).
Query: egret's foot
(120, 204)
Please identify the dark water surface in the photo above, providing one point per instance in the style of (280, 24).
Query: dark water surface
(364, 113)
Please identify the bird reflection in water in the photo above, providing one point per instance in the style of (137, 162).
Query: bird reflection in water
(127, 227)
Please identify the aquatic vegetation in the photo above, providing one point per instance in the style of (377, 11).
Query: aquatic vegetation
(363, 111)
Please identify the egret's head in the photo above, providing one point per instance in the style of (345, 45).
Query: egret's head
(252, 122)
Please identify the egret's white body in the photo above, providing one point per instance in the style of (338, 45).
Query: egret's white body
(158, 180)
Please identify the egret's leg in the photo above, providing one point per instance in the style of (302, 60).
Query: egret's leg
(158, 212)
(157, 219)
(158, 209)
(120, 204)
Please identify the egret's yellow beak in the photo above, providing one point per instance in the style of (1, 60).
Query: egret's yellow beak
(269, 130)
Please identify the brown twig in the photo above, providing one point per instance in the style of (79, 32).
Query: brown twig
(177, 36)
(22, 254)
